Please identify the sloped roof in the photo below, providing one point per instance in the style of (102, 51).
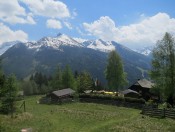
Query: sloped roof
(63, 92)
(129, 91)
(145, 83)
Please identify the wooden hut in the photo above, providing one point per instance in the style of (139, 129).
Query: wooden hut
(59, 96)
(143, 87)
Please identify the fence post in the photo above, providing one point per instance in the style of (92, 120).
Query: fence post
(24, 106)
(163, 113)
(143, 110)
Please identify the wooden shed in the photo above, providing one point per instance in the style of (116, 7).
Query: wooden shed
(60, 96)
(143, 87)
(130, 93)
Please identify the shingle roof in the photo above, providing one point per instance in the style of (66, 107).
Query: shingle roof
(63, 92)
(145, 83)
(129, 91)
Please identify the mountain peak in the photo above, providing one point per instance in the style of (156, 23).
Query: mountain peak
(6, 45)
(99, 44)
(54, 42)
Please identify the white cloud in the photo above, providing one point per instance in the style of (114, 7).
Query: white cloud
(144, 33)
(55, 24)
(7, 35)
(103, 28)
(68, 25)
(12, 12)
(48, 8)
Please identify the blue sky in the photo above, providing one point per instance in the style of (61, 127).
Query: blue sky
(133, 23)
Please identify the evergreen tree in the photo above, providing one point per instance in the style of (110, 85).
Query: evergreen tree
(41, 81)
(10, 92)
(68, 80)
(31, 77)
(2, 83)
(76, 74)
(163, 67)
(29, 87)
(84, 82)
(114, 72)
(56, 82)
(2, 80)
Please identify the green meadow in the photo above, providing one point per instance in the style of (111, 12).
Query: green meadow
(82, 117)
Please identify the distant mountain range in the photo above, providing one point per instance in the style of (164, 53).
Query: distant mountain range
(24, 59)
(147, 50)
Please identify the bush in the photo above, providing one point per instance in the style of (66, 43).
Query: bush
(134, 100)
(115, 98)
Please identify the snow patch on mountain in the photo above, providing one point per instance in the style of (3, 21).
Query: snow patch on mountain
(104, 46)
(145, 50)
(80, 40)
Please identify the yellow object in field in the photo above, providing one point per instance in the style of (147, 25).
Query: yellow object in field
(108, 92)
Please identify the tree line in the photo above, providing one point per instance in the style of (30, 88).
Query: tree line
(42, 84)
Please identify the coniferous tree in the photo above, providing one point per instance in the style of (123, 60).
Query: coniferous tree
(68, 80)
(84, 82)
(163, 67)
(114, 72)
(76, 74)
(10, 92)
(29, 87)
(42, 82)
(56, 81)
(2, 83)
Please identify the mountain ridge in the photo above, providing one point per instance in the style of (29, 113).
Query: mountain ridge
(49, 52)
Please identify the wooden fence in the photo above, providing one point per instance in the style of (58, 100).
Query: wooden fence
(159, 113)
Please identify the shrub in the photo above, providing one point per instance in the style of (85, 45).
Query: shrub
(134, 100)
(109, 97)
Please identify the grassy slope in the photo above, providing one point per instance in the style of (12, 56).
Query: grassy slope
(82, 117)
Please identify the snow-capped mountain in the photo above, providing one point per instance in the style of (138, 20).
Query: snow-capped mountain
(145, 50)
(5, 46)
(54, 42)
(64, 40)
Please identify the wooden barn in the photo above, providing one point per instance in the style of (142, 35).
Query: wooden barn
(130, 93)
(143, 87)
(60, 96)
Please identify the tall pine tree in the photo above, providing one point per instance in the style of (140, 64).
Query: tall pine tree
(163, 67)
(56, 82)
(114, 72)
(68, 80)
(84, 82)
(10, 91)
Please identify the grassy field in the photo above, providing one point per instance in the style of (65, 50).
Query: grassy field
(82, 117)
